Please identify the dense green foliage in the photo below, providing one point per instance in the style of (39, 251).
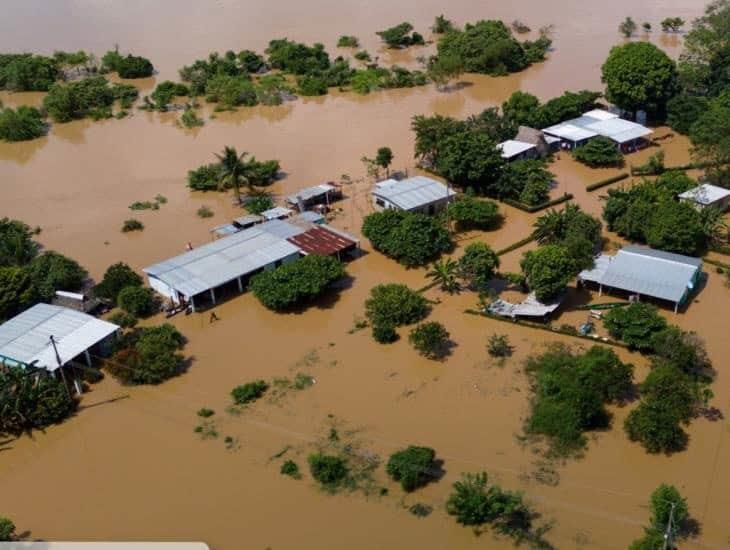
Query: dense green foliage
(123, 319)
(27, 72)
(523, 108)
(148, 355)
(165, 91)
(470, 160)
(478, 264)
(599, 152)
(296, 282)
(570, 391)
(400, 36)
(129, 66)
(348, 41)
(683, 111)
(31, 401)
(471, 213)
(330, 471)
(392, 305)
(212, 177)
(527, 181)
(117, 277)
(17, 246)
(91, 97)
(412, 467)
(709, 136)
(668, 399)
(291, 469)
(411, 238)
(649, 212)
(635, 324)
(251, 391)
(638, 75)
(230, 63)
(666, 503)
(259, 203)
(577, 231)
(17, 292)
(548, 270)
(139, 301)
(7, 529)
(430, 339)
(52, 271)
(473, 502)
(21, 124)
(488, 47)
(441, 25)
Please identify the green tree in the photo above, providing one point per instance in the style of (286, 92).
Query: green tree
(478, 264)
(383, 158)
(148, 355)
(521, 108)
(444, 273)
(139, 301)
(412, 467)
(22, 124)
(27, 72)
(599, 152)
(259, 203)
(17, 247)
(548, 270)
(683, 111)
(7, 529)
(469, 160)
(249, 392)
(92, 97)
(329, 471)
(665, 502)
(635, 324)
(430, 340)
(499, 346)
(431, 132)
(638, 75)
(675, 227)
(31, 401)
(17, 292)
(471, 213)
(441, 25)
(230, 91)
(129, 66)
(347, 41)
(443, 69)
(116, 277)
(556, 226)
(627, 27)
(52, 271)
(410, 238)
(708, 137)
(400, 36)
(527, 180)
(672, 24)
(473, 502)
(232, 170)
(393, 305)
(164, 93)
(296, 282)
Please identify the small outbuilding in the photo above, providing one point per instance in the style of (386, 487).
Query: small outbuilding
(544, 144)
(324, 193)
(576, 132)
(416, 194)
(50, 337)
(323, 240)
(707, 196)
(276, 213)
(513, 149)
(644, 271)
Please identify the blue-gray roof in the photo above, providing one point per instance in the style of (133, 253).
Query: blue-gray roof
(646, 271)
(412, 193)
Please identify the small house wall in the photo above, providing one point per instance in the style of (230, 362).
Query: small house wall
(162, 288)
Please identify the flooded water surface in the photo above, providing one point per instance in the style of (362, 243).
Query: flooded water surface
(129, 466)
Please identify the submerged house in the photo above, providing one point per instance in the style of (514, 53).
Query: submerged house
(529, 143)
(707, 196)
(416, 194)
(644, 271)
(51, 337)
(578, 131)
(322, 194)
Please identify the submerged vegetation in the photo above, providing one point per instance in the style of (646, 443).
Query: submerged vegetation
(148, 355)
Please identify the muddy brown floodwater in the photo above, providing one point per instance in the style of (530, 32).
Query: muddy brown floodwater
(128, 465)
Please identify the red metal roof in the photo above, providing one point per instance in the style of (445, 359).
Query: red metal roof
(321, 241)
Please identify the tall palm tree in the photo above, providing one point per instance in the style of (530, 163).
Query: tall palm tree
(444, 272)
(233, 170)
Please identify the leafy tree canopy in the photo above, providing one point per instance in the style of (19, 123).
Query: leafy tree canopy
(430, 339)
(393, 305)
(635, 324)
(27, 72)
(471, 213)
(548, 270)
(478, 264)
(412, 467)
(129, 66)
(21, 124)
(599, 152)
(148, 355)
(116, 277)
(400, 36)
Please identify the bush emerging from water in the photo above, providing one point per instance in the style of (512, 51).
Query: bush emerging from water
(430, 340)
(499, 346)
(599, 152)
(148, 355)
(291, 469)
(129, 66)
(91, 97)
(392, 305)
(296, 282)
(570, 391)
(7, 529)
(412, 239)
(471, 213)
(27, 72)
(330, 471)
(123, 319)
(400, 36)
(249, 392)
(22, 124)
(132, 225)
(478, 264)
(635, 324)
(31, 401)
(116, 277)
(138, 301)
(347, 41)
(259, 203)
(666, 502)
(412, 467)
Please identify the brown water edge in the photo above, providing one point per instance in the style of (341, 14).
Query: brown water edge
(133, 469)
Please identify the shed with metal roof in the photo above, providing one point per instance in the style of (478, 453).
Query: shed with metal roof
(416, 194)
(647, 272)
(707, 195)
(26, 339)
(513, 149)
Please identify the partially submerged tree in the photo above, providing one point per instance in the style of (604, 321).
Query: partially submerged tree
(148, 355)
(627, 27)
(444, 273)
(393, 305)
(21, 124)
(478, 264)
(430, 339)
(599, 152)
(548, 270)
(400, 36)
(412, 467)
(117, 277)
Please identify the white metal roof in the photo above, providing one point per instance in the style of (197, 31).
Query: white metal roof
(224, 260)
(706, 194)
(412, 193)
(309, 193)
(26, 337)
(281, 228)
(571, 132)
(600, 114)
(646, 271)
(512, 148)
(618, 129)
(276, 213)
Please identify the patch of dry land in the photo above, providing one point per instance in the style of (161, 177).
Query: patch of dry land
(128, 465)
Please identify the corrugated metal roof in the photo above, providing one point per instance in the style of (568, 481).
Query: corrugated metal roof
(221, 261)
(319, 240)
(309, 193)
(282, 228)
(248, 219)
(706, 194)
(26, 337)
(646, 271)
(600, 114)
(599, 123)
(310, 217)
(512, 148)
(569, 131)
(412, 193)
(276, 213)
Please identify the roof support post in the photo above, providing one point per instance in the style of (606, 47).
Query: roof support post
(240, 285)
(192, 303)
(676, 307)
(88, 358)
(600, 289)
(212, 295)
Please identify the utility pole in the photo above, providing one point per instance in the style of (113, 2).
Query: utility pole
(668, 533)
(60, 365)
